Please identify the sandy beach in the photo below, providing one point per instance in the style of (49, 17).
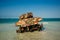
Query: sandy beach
(51, 32)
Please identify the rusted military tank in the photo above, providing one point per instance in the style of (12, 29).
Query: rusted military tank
(28, 23)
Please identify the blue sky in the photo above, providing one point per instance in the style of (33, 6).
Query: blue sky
(40, 8)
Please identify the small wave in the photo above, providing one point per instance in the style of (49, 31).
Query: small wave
(45, 22)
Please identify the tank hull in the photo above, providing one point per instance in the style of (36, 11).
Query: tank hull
(31, 28)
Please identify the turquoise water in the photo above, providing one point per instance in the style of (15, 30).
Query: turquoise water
(13, 20)
(51, 31)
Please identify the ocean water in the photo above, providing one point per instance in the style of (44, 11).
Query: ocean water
(14, 20)
(51, 30)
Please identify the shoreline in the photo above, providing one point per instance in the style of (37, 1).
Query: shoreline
(51, 32)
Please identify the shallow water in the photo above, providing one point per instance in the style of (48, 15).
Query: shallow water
(51, 32)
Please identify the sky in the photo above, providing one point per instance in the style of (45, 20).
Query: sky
(39, 8)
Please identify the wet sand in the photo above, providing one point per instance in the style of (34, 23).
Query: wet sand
(51, 32)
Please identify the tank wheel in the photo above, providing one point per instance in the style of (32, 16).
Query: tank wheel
(17, 31)
(40, 27)
(31, 30)
(27, 29)
(21, 29)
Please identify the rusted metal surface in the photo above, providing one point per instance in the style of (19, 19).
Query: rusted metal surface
(24, 16)
(28, 21)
